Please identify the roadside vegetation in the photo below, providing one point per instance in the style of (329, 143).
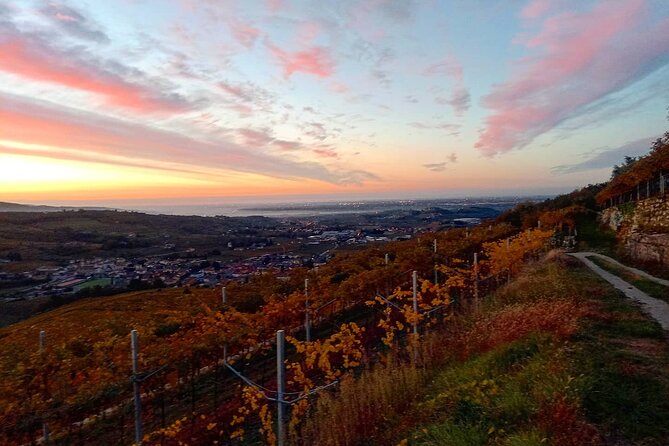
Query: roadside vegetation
(649, 287)
(557, 357)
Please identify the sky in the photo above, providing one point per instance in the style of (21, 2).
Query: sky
(187, 101)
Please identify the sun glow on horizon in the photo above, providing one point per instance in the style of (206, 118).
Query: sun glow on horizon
(34, 178)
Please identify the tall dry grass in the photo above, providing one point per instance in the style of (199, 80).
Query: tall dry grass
(363, 408)
(379, 405)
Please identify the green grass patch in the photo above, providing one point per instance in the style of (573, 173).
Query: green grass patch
(631, 402)
(631, 328)
(102, 282)
(448, 433)
(653, 289)
(625, 361)
(612, 374)
(495, 397)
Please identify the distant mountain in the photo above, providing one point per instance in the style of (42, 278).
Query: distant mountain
(16, 207)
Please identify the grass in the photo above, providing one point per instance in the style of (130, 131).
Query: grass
(596, 375)
(649, 287)
(93, 283)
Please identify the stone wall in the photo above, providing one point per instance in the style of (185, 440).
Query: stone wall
(648, 247)
(643, 228)
(651, 215)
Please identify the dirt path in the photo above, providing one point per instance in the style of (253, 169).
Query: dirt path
(658, 310)
(638, 272)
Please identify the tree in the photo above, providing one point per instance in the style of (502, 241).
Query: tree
(620, 169)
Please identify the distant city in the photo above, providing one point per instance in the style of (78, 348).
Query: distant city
(207, 251)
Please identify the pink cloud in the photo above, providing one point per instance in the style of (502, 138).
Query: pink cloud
(275, 5)
(286, 146)
(308, 31)
(535, 8)
(244, 33)
(339, 87)
(316, 61)
(243, 109)
(236, 90)
(325, 153)
(85, 136)
(255, 138)
(247, 97)
(447, 67)
(585, 56)
(32, 59)
(64, 17)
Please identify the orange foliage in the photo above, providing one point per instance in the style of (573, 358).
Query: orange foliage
(85, 364)
(647, 168)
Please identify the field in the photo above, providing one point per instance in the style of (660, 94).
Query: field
(84, 362)
(532, 363)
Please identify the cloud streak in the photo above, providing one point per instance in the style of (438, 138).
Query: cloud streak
(38, 123)
(316, 61)
(437, 126)
(244, 33)
(74, 23)
(33, 58)
(440, 167)
(460, 98)
(583, 58)
(606, 158)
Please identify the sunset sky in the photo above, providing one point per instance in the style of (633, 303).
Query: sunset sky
(131, 101)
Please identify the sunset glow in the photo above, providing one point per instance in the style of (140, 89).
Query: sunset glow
(189, 99)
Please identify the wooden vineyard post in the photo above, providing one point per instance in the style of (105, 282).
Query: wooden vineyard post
(661, 184)
(45, 428)
(136, 388)
(224, 298)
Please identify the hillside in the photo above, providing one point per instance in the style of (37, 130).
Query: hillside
(545, 359)
(498, 339)
(16, 207)
(85, 359)
(556, 357)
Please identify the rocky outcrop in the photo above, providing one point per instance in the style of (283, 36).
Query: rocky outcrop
(647, 247)
(612, 217)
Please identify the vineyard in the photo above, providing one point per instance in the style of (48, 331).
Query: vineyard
(207, 367)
